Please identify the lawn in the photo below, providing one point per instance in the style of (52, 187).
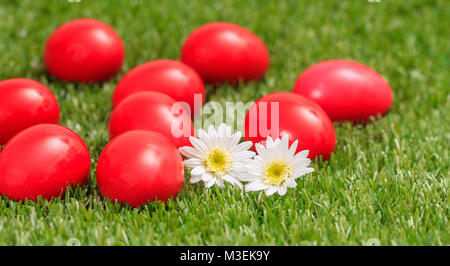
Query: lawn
(387, 181)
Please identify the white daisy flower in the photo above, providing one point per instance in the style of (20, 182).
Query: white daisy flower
(216, 156)
(276, 167)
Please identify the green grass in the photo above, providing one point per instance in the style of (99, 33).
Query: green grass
(387, 180)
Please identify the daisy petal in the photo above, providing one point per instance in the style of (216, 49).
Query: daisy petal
(284, 146)
(254, 186)
(243, 155)
(235, 139)
(251, 168)
(301, 163)
(276, 143)
(198, 144)
(210, 183)
(282, 191)
(224, 130)
(302, 154)
(248, 178)
(271, 190)
(242, 146)
(261, 151)
(292, 149)
(232, 180)
(206, 177)
(304, 171)
(199, 170)
(290, 183)
(193, 162)
(203, 136)
(212, 131)
(269, 143)
(190, 152)
(195, 179)
(220, 182)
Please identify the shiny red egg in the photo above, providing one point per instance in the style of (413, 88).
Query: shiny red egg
(281, 113)
(140, 166)
(24, 103)
(225, 52)
(43, 160)
(170, 77)
(346, 90)
(152, 111)
(84, 50)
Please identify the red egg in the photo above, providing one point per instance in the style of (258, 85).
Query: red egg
(140, 166)
(225, 52)
(24, 103)
(281, 113)
(170, 77)
(346, 90)
(84, 50)
(42, 161)
(152, 111)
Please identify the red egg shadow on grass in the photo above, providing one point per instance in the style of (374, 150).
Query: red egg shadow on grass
(286, 113)
(346, 90)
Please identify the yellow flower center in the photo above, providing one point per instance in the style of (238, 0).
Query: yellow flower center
(277, 172)
(218, 161)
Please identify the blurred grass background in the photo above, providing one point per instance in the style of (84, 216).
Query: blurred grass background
(386, 181)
